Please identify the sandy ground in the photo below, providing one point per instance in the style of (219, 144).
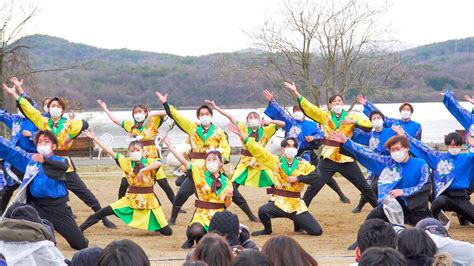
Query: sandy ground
(339, 224)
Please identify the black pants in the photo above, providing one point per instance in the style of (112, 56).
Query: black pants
(107, 211)
(374, 186)
(7, 192)
(79, 188)
(60, 216)
(303, 220)
(163, 183)
(461, 205)
(411, 216)
(331, 182)
(350, 171)
(179, 180)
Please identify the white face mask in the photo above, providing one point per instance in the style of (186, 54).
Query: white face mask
(337, 109)
(298, 115)
(405, 114)
(291, 152)
(44, 150)
(253, 123)
(212, 167)
(136, 155)
(139, 117)
(45, 108)
(205, 120)
(398, 156)
(454, 151)
(377, 124)
(55, 112)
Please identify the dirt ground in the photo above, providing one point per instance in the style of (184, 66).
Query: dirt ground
(340, 226)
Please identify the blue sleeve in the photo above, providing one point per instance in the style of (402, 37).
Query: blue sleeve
(26, 95)
(276, 112)
(6, 118)
(421, 150)
(425, 174)
(418, 132)
(369, 107)
(369, 159)
(361, 136)
(462, 115)
(14, 155)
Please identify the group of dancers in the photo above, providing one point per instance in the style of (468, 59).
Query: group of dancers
(403, 174)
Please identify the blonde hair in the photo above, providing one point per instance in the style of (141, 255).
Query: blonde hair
(442, 259)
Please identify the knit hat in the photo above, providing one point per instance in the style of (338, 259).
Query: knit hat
(88, 256)
(226, 224)
(433, 226)
(26, 212)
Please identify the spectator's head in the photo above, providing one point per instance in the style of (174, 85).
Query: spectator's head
(226, 224)
(376, 256)
(375, 233)
(284, 250)
(87, 256)
(194, 263)
(24, 212)
(454, 142)
(139, 113)
(251, 257)
(214, 250)
(123, 252)
(416, 246)
(433, 226)
(443, 259)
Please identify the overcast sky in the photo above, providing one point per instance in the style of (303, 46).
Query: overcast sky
(197, 27)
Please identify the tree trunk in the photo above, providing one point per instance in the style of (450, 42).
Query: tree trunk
(3, 128)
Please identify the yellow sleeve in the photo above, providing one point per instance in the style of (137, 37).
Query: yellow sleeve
(122, 161)
(224, 145)
(312, 111)
(33, 114)
(307, 168)
(261, 154)
(156, 121)
(185, 124)
(74, 128)
(360, 121)
(270, 130)
(197, 172)
(127, 125)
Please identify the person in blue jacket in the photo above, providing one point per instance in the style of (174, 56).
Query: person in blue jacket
(308, 135)
(45, 184)
(375, 141)
(453, 172)
(400, 176)
(22, 136)
(406, 110)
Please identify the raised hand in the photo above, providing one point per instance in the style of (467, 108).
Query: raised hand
(469, 98)
(396, 193)
(102, 104)
(291, 179)
(361, 99)
(9, 90)
(337, 137)
(268, 95)
(163, 98)
(399, 130)
(211, 103)
(16, 82)
(26, 133)
(38, 158)
(290, 87)
(234, 129)
(90, 134)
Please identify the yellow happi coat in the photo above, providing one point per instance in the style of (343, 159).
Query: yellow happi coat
(249, 172)
(200, 142)
(329, 122)
(141, 211)
(148, 131)
(281, 170)
(203, 184)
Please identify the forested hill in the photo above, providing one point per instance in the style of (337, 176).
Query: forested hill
(125, 77)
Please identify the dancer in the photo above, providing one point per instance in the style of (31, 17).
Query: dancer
(309, 136)
(289, 176)
(144, 127)
(46, 184)
(333, 161)
(213, 190)
(65, 131)
(139, 208)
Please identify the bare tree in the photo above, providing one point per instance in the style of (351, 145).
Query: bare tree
(327, 46)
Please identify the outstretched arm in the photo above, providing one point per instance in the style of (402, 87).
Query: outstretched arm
(106, 148)
(112, 117)
(183, 123)
(420, 149)
(176, 154)
(462, 115)
(224, 113)
(19, 86)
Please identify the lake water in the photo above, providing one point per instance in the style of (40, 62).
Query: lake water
(434, 118)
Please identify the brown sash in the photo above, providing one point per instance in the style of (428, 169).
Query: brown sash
(61, 153)
(208, 205)
(246, 153)
(140, 190)
(330, 143)
(148, 142)
(283, 193)
(197, 155)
